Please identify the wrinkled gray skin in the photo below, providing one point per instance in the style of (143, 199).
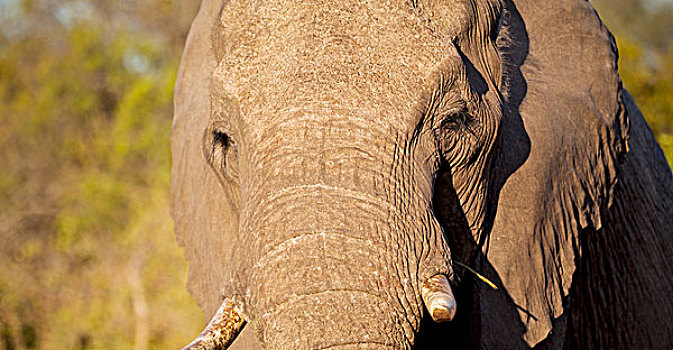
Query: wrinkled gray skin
(330, 156)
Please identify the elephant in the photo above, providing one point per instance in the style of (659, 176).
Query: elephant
(417, 174)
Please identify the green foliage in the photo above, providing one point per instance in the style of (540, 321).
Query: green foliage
(89, 255)
(645, 40)
(652, 87)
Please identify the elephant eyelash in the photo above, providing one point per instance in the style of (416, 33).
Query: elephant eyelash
(220, 138)
(458, 120)
(454, 119)
(220, 144)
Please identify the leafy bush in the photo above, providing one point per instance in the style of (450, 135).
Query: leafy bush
(89, 256)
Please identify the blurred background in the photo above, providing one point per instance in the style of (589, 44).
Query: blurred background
(88, 259)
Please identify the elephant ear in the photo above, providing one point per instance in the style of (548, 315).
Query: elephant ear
(563, 134)
(205, 222)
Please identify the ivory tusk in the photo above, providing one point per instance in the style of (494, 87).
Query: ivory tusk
(438, 298)
(221, 330)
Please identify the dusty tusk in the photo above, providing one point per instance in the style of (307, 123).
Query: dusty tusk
(222, 329)
(438, 298)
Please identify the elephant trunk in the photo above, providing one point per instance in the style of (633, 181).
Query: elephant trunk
(329, 273)
(338, 266)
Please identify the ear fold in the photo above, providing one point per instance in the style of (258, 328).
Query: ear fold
(563, 133)
(205, 221)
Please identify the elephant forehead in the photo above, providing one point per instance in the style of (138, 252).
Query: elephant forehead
(276, 57)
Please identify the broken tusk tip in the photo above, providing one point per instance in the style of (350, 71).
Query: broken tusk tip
(443, 313)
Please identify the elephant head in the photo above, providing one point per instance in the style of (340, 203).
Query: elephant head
(334, 160)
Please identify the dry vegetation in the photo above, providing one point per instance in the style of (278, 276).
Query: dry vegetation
(88, 258)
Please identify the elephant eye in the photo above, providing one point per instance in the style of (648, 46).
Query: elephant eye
(220, 145)
(221, 140)
(458, 135)
(458, 121)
